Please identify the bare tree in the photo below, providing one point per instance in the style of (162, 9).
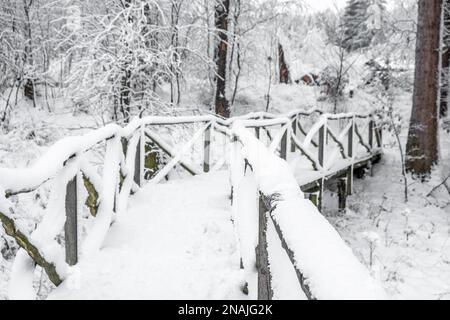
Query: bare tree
(222, 105)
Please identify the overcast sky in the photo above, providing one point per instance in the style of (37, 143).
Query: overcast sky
(317, 5)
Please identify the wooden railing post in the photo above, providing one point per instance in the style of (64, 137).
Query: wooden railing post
(351, 134)
(379, 136)
(294, 132)
(139, 158)
(262, 256)
(207, 149)
(138, 164)
(321, 156)
(284, 145)
(321, 146)
(371, 128)
(257, 132)
(71, 225)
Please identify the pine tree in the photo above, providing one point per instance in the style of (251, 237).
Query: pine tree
(422, 146)
(445, 68)
(355, 31)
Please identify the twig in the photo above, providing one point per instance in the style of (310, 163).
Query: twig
(443, 183)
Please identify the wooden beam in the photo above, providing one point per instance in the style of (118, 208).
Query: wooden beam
(207, 149)
(22, 240)
(265, 291)
(182, 163)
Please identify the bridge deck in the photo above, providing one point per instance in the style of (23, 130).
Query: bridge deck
(175, 242)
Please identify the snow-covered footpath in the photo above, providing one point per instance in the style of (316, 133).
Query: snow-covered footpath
(175, 242)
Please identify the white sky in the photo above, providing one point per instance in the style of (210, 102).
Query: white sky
(317, 5)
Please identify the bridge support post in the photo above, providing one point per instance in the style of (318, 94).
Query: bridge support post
(71, 225)
(342, 194)
(370, 168)
(262, 256)
(207, 149)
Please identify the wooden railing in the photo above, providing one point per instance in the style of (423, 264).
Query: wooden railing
(72, 168)
(277, 187)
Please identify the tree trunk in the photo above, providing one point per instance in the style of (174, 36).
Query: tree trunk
(221, 21)
(29, 88)
(445, 60)
(422, 146)
(285, 76)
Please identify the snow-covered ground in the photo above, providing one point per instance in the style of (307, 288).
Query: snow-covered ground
(175, 242)
(409, 242)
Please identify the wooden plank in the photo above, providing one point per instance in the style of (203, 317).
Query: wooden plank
(71, 225)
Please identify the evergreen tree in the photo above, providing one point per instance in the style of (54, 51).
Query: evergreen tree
(422, 146)
(356, 34)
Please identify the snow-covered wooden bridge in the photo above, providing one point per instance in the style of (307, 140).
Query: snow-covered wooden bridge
(121, 222)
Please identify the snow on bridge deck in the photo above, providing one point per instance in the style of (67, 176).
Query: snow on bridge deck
(175, 242)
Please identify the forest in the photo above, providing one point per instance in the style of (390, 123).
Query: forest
(75, 73)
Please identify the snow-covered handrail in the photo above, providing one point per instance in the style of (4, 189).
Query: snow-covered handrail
(66, 167)
(325, 267)
(28, 179)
